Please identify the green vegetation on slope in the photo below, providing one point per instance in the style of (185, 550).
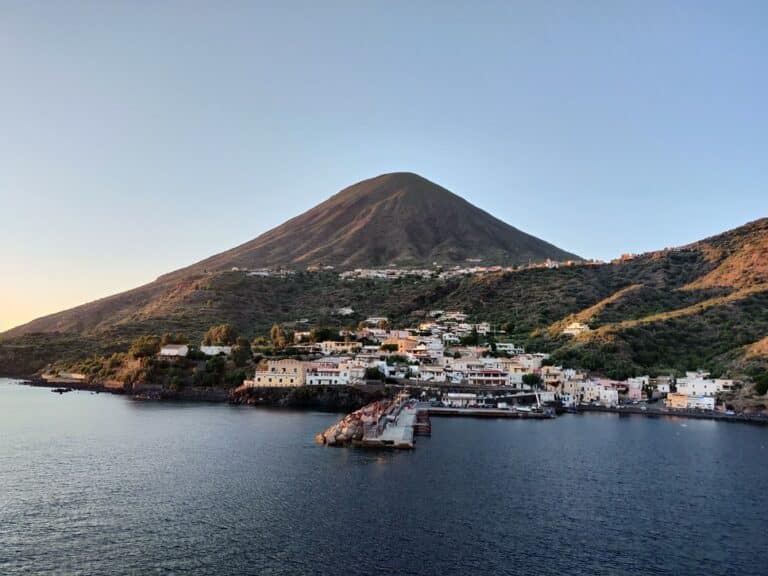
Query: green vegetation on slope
(645, 312)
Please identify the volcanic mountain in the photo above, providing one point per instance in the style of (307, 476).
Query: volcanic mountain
(399, 218)
(392, 219)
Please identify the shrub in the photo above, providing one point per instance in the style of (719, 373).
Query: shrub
(761, 384)
(144, 346)
(222, 335)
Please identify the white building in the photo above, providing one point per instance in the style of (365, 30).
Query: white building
(429, 349)
(701, 402)
(174, 351)
(456, 316)
(432, 373)
(216, 350)
(509, 348)
(699, 384)
(608, 396)
(479, 375)
(327, 374)
(332, 347)
(531, 362)
(449, 338)
(483, 328)
(459, 400)
(575, 328)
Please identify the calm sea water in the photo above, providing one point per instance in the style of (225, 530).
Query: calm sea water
(99, 484)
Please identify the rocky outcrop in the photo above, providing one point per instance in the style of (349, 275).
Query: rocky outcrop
(352, 427)
(324, 398)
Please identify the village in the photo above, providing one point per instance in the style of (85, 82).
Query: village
(473, 267)
(446, 359)
(465, 364)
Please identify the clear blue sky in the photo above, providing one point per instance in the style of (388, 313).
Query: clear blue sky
(138, 137)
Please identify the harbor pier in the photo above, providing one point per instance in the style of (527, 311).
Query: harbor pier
(395, 423)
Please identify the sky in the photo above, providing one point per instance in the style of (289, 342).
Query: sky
(138, 137)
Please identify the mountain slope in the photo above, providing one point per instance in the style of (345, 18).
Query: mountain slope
(399, 218)
(702, 305)
(394, 218)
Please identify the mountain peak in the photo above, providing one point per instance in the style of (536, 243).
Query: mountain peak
(395, 183)
(396, 218)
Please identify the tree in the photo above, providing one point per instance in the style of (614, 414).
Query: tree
(222, 335)
(761, 384)
(241, 354)
(533, 380)
(173, 338)
(473, 339)
(216, 365)
(277, 336)
(373, 374)
(390, 347)
(323, 334)
(491, 341)
(144, 346)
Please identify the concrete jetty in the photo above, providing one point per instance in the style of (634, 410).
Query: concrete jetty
(394, 430)
(395, 423)
(381, 424)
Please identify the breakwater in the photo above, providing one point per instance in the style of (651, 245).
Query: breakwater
(385, 423)
(395, 423)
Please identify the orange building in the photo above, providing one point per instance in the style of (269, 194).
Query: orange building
(677, 401)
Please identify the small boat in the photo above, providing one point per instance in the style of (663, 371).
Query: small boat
(61, 390)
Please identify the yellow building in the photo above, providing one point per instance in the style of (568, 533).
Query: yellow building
(279, 374)
(404, 345)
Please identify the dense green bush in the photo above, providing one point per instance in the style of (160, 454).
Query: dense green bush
(761, 384)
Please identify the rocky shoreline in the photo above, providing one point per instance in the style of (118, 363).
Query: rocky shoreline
(322, 398)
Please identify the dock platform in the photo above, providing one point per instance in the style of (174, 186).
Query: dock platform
(394, 424)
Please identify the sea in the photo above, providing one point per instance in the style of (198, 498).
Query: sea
(98, 484)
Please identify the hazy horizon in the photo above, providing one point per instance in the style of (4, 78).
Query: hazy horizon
(142, 138)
